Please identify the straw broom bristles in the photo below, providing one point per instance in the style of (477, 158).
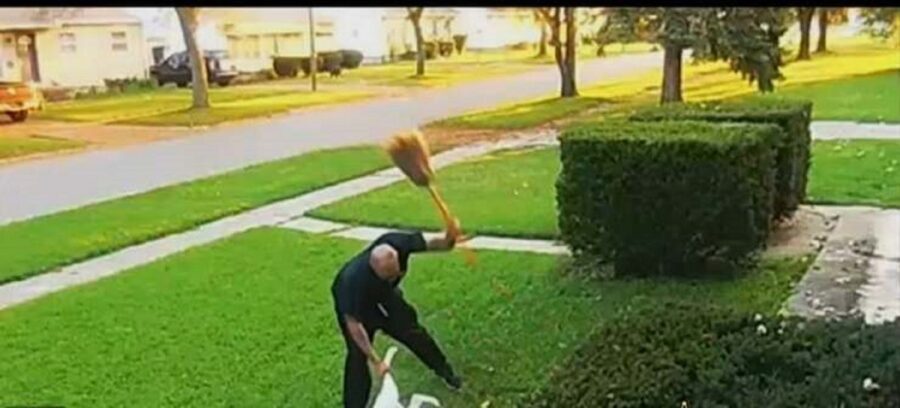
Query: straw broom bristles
(409, 152)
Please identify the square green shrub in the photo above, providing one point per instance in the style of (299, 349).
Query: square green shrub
(674, 353)
(664, 197)
(793, 116)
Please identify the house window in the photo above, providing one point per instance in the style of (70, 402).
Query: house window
(67, 42)
(119, 41)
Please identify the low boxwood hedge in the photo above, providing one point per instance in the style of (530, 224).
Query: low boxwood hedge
(683, 355)
(665, 197)
(793, 116)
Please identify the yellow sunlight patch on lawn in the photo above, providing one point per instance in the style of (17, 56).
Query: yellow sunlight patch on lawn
(705, 81)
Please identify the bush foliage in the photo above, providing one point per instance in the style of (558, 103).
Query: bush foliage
(664, 197)
(678, 353)
(793, 116)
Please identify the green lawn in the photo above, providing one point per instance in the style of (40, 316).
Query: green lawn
(522, 183)
(864, 98)
(89, 231)
(523, 115)
(248, 108)
(519, 182)
(857, 67)
(248, 321)
(168, 106)
(856, 172)
(22, 146)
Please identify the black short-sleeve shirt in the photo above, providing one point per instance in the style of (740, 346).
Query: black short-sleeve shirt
(357, 289)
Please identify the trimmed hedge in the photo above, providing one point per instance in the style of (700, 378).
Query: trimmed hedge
(712, 357)
(351, 59)
(793, 149)
(664, 197)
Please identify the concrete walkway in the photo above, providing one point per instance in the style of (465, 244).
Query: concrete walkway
(288, 212)
(831, 130)
(857, 272)
(31, 189)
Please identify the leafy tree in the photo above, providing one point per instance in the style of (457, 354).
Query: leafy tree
(746, 37)
(626, 27)
(189, 18)
(829, 16)
(415, 16)
(804, 17)
(882, 22)
(564, 52)
(543, 23)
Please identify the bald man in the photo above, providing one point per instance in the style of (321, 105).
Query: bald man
(367, 298)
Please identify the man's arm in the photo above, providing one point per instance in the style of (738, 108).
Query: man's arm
(441, 244)
(361, 338)
(448, 241)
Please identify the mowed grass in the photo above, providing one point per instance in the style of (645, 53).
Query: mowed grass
(513, 193)
(11, 147)
(508, 193)
(248, 321)
(855, 172)
(249, 108)
(457, 69)
(864, 98)
(40, 244)
(170, 106)
(859, 80)
(523, 115)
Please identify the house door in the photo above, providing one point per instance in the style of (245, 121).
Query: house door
(27, 55)
(158, 54)
(33, 59)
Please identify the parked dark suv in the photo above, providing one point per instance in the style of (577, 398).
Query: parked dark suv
(177, 69)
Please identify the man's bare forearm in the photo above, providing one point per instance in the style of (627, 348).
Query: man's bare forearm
(361, 338)
(441, 244)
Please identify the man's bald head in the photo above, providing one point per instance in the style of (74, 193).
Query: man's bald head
(385, 261)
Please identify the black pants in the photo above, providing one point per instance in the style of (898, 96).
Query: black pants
(402, 324)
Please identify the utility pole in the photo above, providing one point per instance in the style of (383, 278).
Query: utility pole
(313, 61)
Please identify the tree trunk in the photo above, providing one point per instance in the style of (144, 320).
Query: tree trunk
(804, 14)
(569, 88)
(188, 18)
(774, 39)
(823, 30)
(671, 85)
(415, 15)
(558, 56)
(542, 46)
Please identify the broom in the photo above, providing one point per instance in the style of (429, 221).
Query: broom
(409, 152)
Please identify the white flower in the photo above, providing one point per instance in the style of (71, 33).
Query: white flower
(761, 329)
(870, 385)
(757, 317)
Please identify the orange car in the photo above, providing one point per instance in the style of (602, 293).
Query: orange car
(18, 99)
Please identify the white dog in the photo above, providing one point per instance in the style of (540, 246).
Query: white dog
(389, 396)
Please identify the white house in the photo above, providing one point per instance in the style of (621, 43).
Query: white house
(380, 33)
(70, 46)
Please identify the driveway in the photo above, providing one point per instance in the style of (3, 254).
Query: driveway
(31, 189)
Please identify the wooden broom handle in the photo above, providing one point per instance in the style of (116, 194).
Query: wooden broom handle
(445, 213)
(442, 207)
